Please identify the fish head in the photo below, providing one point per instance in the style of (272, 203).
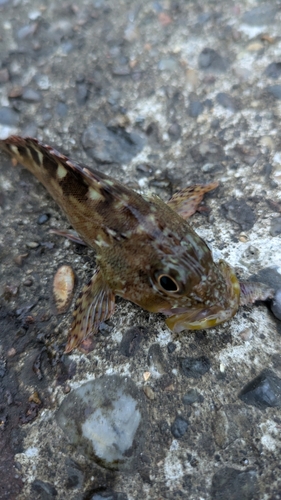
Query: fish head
(192, 290)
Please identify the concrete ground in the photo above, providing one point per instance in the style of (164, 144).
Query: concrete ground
(159, 95)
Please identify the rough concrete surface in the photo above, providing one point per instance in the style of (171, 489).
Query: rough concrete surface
(159, 95)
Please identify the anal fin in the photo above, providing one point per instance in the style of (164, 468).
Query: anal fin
(95, 304)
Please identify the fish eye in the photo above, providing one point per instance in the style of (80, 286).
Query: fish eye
(167, 283)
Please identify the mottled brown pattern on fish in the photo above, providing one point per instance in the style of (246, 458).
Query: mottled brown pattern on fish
(146, 251)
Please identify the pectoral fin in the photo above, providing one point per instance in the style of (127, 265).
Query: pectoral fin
(187, 201)
(95, 304)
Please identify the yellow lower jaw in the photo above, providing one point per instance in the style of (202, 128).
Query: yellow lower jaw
(202, 318)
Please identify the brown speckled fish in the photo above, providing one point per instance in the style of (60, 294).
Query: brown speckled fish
(146, 251)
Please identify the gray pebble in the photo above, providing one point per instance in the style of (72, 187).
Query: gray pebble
(274, 90)
(273, 70)
(179, 427)
(240, 212)
(8, 116)
(234, 484)
(191, 397)
(227, 101)
(44, 489)
(276, 304)
(167, 64)
(61, 109)
(103, 419)
(42, 219)
(195, 367)
(174, 131)
(4, 75)
(258, 16)
(107, 146)
(209, 59)
(145, 169)
(195, 109)
(82, 93)
(275, 226)
(31, 95)
(263, 391)
(155, 358)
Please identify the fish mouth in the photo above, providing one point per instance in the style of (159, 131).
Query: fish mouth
(202, 317)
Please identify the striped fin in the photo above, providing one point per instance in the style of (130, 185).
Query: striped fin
(95, 304)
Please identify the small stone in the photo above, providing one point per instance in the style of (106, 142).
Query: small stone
(258, 16)
(106, 146)
(34, 15)
(254, 47)
(227, 101)
(28, 282)
(61, 109)
(235, 484)
(240, 212)
(15, 92)
(251, 253)
(171, 347)
(44, 489)
(195, 109)
(131, 340)
(274, 90)
(105, 420)
(42, 219)
(267, 142)
(195, 367)
(27, 31)
(42, 81)
(275, 226)
(121, 70)
(149, 392)
(168, 64)
(11, 352)
(74, 475)
(276, 304)
(192, 396)
(156, 359)
(82, 93)
(174, 131)
(179, 427)
(210, 60)
(207, 152)
(32, 244)
(263, 391)
(145, 169)
(31, 95)
(20, 258)
(8, 116)
(4, 75)
(273, 70)
(246, 334)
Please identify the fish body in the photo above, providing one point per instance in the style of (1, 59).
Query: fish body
(146, 251)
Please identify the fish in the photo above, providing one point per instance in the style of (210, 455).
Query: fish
(146, 250)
